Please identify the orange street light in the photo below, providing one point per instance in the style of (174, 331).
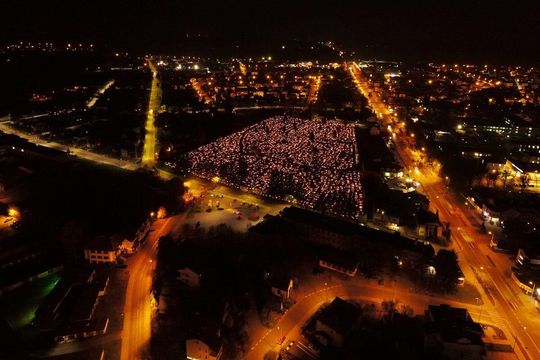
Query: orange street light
(13, 212)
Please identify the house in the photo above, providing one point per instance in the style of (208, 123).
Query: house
(394, 209)
(339, 261)
(82, 330)
(529, 171)
(69, 310)
(427, 224)
(190, 276)
(198, 350)
(100, 250)
(492, 205)
(282, 286)
(375, 156)
(207, 317)
(389, 216)
(50, 309)
(337, 320)
(321, 229)
(450, 333)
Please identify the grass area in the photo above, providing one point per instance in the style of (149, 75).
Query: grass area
(18, 306)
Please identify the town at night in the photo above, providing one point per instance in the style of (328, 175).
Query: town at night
(269, 181)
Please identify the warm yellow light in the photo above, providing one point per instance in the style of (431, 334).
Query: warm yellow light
(13, 212)
(161, 213)
(216, 179)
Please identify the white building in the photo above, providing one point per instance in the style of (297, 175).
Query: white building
(100, 250)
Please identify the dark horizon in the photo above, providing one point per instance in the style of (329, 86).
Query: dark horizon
(474, 31)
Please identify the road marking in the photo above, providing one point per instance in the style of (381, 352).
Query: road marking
(491, 261)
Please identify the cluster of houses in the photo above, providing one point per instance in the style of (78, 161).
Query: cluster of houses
(444, 331)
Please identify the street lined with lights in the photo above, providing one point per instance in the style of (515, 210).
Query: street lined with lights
(516, 322)
(149, 156)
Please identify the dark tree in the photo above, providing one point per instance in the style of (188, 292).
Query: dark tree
(448, 271)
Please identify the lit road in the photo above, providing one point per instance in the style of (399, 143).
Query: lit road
(314, 89)
(201, 94)
(84, 154)
(292, 321)
(90, 104)
(479, 267)
(139, 304)
(150, 138)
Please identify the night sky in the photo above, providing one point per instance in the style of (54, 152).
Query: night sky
(474, 30)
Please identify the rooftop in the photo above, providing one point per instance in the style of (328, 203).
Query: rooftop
(453, 324)
(340, 315)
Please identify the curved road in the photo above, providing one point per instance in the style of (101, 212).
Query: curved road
(292, 321)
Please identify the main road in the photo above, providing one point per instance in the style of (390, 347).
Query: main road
(149, 155)
(140, 303)
(81, 153)
(150, 138)
(503, 297)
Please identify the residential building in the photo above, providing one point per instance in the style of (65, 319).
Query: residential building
(427, 224)
(100, 250)
(69, 309)
(282, 286)
(337, 320)
(341, 262)
(198, 350)
(190, 277)
(450, 333)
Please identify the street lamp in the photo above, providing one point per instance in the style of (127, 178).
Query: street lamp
(533, 287)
